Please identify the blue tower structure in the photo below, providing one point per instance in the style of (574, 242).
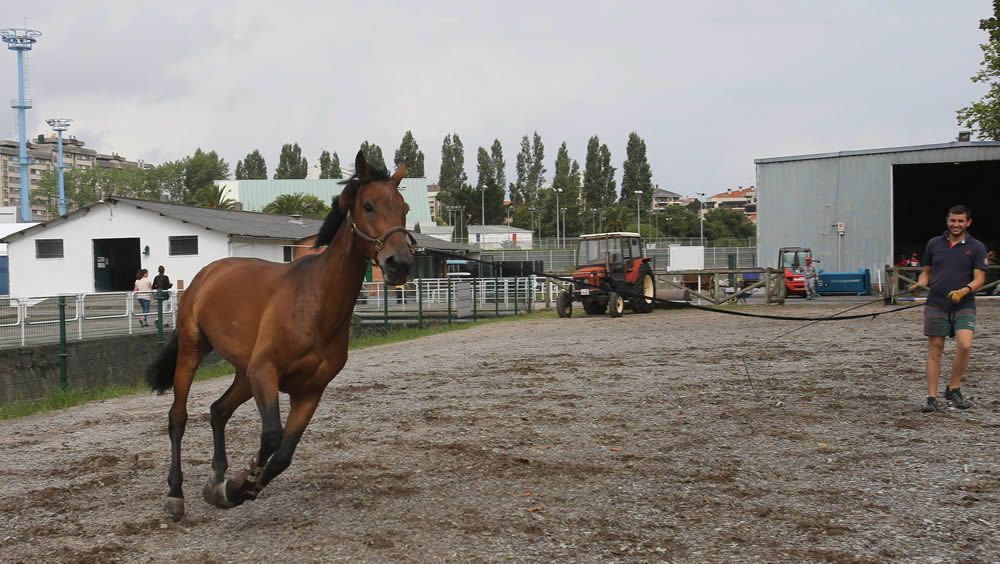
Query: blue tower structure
(59, 125)
(21, 40)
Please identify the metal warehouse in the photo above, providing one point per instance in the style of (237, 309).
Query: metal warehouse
(862, 209)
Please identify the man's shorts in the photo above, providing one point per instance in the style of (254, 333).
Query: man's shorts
(943, 323)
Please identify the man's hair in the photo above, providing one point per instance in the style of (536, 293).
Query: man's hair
(961, 209)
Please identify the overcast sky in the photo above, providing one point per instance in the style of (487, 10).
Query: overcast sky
(709, 86)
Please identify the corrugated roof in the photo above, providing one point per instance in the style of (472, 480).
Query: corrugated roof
(932, 147)
(495, 229)
(231, 222)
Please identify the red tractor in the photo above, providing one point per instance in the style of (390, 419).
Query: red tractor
(611, 269)
(793, 260)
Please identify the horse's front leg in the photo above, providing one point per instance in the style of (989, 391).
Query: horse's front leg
(222, 410)
(251, 481)
(183, 375)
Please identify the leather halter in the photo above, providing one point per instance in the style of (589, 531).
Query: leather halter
(379, 242)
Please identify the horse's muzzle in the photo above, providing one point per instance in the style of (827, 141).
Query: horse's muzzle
(396, 267)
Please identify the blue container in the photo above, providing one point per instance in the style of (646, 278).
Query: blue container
(845, 283)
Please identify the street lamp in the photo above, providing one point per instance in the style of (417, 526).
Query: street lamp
(593, 220)
(701, 213)
(638, 222)
(557, 190)
(563, 210)
(533, 209)
(59, 125)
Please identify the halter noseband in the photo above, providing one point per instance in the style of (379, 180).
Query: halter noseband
(379, 242)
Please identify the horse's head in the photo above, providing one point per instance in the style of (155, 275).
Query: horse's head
(378, 213)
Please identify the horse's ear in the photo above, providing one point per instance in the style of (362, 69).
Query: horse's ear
(398, 175)
(361, 169)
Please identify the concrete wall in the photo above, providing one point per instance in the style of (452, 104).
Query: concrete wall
(801, 199)
(32, 372)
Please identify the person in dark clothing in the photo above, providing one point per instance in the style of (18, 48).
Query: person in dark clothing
(162, 281)
(954, 268)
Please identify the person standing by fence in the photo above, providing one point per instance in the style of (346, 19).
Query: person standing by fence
(143, 288)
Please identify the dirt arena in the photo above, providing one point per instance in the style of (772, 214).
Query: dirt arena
(584, 439)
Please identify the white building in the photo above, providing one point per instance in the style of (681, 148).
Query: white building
(499, 237)
(100, 247)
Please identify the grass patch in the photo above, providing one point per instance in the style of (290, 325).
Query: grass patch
(63, 399)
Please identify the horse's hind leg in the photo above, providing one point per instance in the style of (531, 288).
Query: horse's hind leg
(222, 410)
(189, 356)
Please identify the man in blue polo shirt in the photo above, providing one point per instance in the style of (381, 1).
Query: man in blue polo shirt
(954, 268)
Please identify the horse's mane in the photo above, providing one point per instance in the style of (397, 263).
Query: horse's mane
(336, 216)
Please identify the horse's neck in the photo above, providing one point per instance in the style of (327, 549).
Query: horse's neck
(342, 269)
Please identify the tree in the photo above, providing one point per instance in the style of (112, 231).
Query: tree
(491, 182)
(636, 173)
(213, 196)
(455, 190)
(286, 204)
(606, 182)
(569, 197)
(313, 207)
(86, 186)
(679, 221)
(201, 170)
(373, 154)
(983, 116)
(409, 153)
(252, 167)
(531, 171)
(291, 163)
(329, 167)
(723, 223)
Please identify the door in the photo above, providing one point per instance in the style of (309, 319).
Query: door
(116, 262)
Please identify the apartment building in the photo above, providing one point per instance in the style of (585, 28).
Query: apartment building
(43, 155)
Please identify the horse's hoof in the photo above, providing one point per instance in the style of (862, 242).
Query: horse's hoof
(208, 492)
(215, 494)
(175, 507)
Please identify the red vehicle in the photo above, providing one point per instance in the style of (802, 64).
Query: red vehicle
(793, 260)
(611, 269)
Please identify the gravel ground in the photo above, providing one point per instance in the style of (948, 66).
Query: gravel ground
(582, 439)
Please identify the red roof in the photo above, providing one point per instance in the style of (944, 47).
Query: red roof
(736, 193)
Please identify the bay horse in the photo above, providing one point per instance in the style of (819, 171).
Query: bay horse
(284, 327)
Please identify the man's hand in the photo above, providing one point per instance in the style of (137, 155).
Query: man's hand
(916, 289)
(957, 295)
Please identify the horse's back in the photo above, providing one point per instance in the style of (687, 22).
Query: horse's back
(227, 299)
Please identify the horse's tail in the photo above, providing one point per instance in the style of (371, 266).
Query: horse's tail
(160, 374)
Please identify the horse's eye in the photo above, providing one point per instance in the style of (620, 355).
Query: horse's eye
(369, 207)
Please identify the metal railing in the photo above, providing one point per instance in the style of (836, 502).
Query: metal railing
(35, 320)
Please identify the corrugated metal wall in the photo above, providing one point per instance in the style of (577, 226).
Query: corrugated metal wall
(801, 199)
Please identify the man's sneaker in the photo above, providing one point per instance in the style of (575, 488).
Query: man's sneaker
(932, 406)
(954, 395)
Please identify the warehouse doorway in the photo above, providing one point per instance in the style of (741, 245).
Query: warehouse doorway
(922, 194)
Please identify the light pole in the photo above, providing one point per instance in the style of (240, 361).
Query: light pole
(593, 220)
(557, 190)
(638, 222)
(59, 125)
(533, 209)
(19, 41)
(563, 211)
(701, 217)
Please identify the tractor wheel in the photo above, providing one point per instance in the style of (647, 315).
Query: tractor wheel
(564, 304)
(646, 286)
(616, 304)
(594, 307)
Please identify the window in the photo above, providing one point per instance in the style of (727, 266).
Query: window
(48, 248)
(289, 254)
(184, 245)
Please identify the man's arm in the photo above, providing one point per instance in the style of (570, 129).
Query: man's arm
(925, 277)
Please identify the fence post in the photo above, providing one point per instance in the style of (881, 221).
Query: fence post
(420, 303)
(449, 300)
(385, 306)
(475, 300)
(515, 296)
(496, 294)
(63, 381)
(159, 320)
